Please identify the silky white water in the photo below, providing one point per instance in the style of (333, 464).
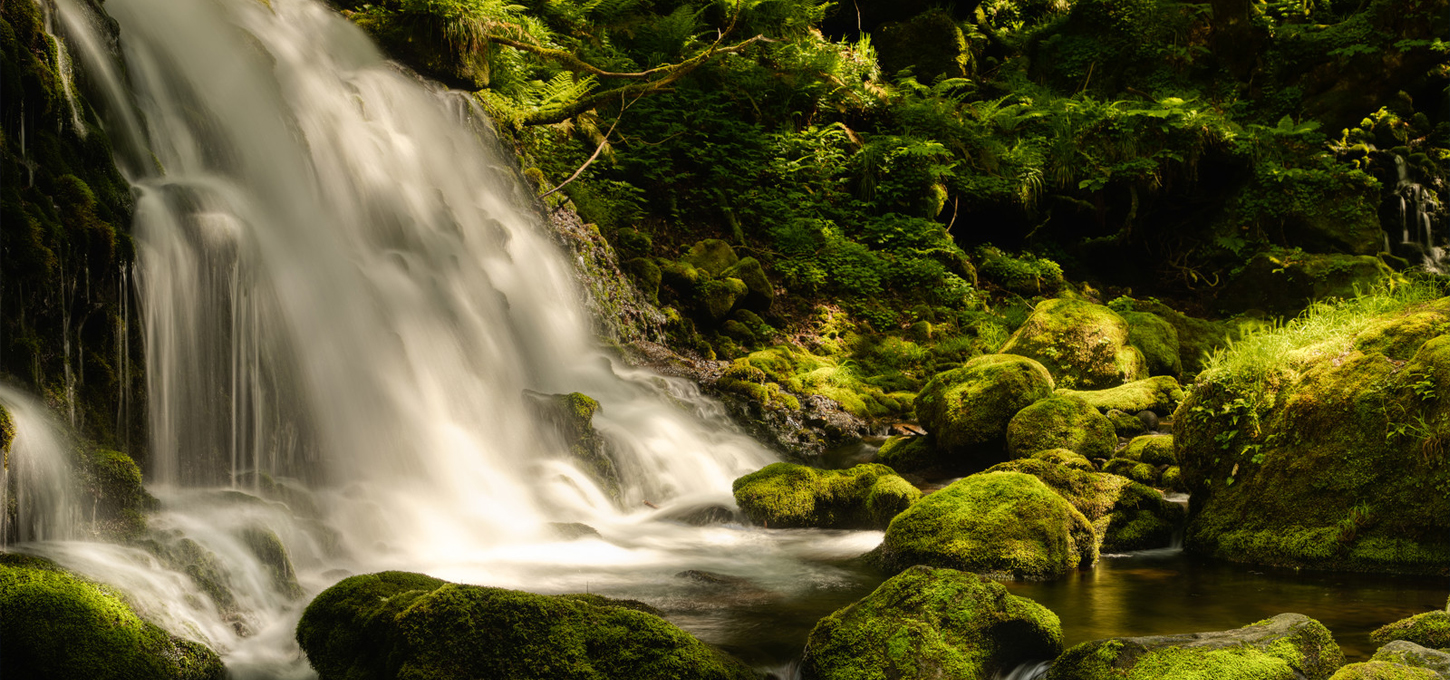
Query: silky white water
(345, 294)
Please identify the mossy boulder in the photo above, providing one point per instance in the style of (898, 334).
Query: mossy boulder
(931, 623)
(909, 454)
(120, 501)
(269, 550)
(571, 417)
(759, 293)
(402, 625)
(930, 44)
(1172, 479)
(999, 523)
(1066, 458)
(1285, 647)
(711, 255)
(1196, 337)
(1061, 423)
(56, 625)
(1431, 629)
(1159, 394)
(966, 409)
(1384, 670)
(1125, 515)
(1153, 449)
(1024, 274)
(1126, 424)
(1157, 340)
(715, 298)
(1083, 345)
(1135, 470)
(1410, 654)
(785, 495)
(1345, 468)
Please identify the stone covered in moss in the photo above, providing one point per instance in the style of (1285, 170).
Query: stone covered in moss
(1125, 515)
(401, 625)
(1431, 629)
(1153, 449)
(1126, 424)
(118, 496)
(748, 381)
(1407, 653)
(1384, 670)
(784, 495)
(909, 454)
(56, 625)
(931, 623)
(1345, 472)
(1172, 479)
(1285, 647)
(1157, 340)
(759, 293)
(7, 435)
(1066, 458)
(1135, 470)
(1160, 395)
(966, 409)
(1061, 422)
(571, 417)
(805, 374)
(711, 255)
(1083, 345)
(1196, 337)
(1002, 523)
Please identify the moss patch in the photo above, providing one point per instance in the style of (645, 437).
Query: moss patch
(1083, 345)
(967, 409)
(784, 495)
(1431, 629)
(929, 622)
(1153, 449)
(1125, 515)
(1061, 422)
(1159, 394)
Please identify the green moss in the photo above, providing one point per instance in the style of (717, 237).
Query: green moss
(716, 297)
(750, 382)
(1024, 274)
(1003, 523)
(269, 550)
(929, 622)
(59, 626)
(1083, 345)
(1125, 515)
(1153, 449)
(647, 276)
(1061, 422)
(1157, 340)
(1159, 394)
(1172, 479)
(1286, 647)
(1383, 670)
(967, 409)
(570, 417)
(7, 435)
(783, 495)
(760, 294)
(711, 255)
(1133, 469)
(401, 625)
(909, 454)
(1431, 629)
(1285, 282)
(121, 501)
(1197, 338)
(1066, 458)
(1407, 653)
(1126, 424)
(803, 373)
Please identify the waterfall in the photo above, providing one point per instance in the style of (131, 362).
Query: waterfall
(1419, 210)
(38, 499)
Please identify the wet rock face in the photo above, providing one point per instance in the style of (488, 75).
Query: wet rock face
(397, 624)
(1000, 523)
(1285, 647)
(571, 417)
(931, 623)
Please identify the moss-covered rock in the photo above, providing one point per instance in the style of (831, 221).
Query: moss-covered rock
(1284, 282)
(7, 435)
(1135, 470)
(1083, 345)
(784, 495)
(1126, 424)
(120, 501)
(1157, 340)
(711, 255)
(1285, 647)
(1196, 337)
(930, 44)
(1004, 523)
(966, 410)
(1431, 629)
(803, 373)
(1335, 463)
(571, 417)
(1066, 458)
(1159, 394)
(269, 550)
(1384, 670)
(931, 623)
(1153, 449)
(1125, 515)
(1172, 479)
(56, 625)
(760, 294)
(1410, 654)
(1024, 274)
(401, 625)
(1061, 423)
(909, 454)
(717, 297)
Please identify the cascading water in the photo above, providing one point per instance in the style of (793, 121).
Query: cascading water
(345, 295)
(37, 488)
(1419, 211)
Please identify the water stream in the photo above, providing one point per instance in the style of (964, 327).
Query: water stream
(344, 295)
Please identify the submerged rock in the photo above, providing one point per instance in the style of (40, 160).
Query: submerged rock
(931, 623)
(1159, 395)
(1083, 345)
(1285, 647)
(1061, 422)
(996, 523)
(784, 495)
(402, 625)
(1431, 629)
(966, 409)
(1125, 515)
(56, 625)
